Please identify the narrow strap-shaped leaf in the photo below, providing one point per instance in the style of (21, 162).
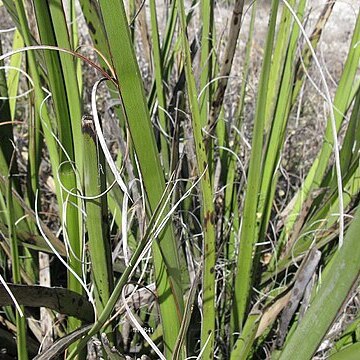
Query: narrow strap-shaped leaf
(138, 119)
(16, 275)
(62, 344)
(14, 75)
(208, 211)
(341, 102)
(207, 17)
(65, 95)
(337, 280)
(248, 229)
(61, 300)
(244, 343)
(22, 23)
(159, 78)
(96, 216)
(350, 352)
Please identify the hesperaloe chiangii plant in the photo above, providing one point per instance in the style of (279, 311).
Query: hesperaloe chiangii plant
(159, 213)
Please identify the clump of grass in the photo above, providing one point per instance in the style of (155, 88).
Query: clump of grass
(171, 239)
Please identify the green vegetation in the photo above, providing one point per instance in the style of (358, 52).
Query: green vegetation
(139, 215)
